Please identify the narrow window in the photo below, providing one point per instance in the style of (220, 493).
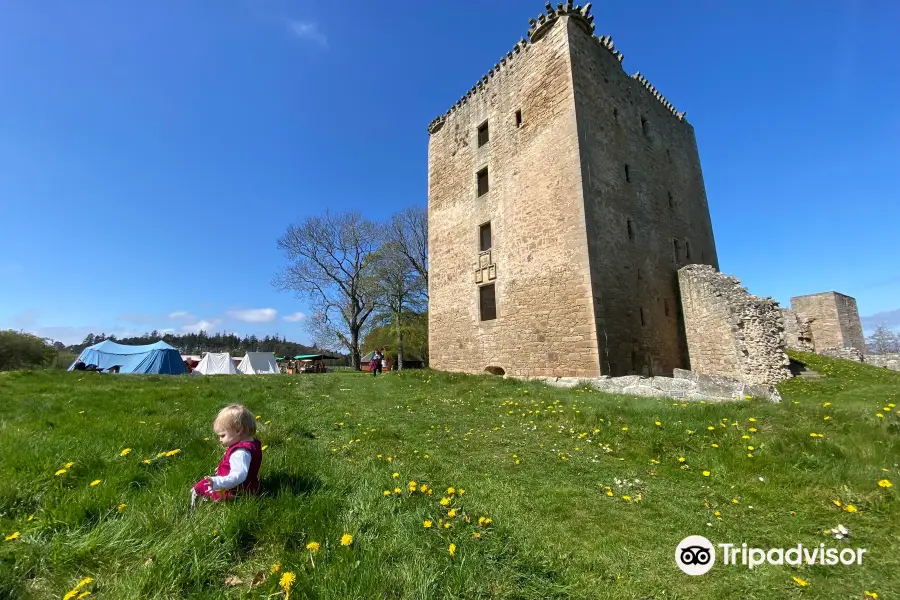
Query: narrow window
(483, 135)
(616, 115)
(630, 230)
(671, 200)
(640, 275)
(484, 237)
(645, 125)
(643, 321)
(627, 174)
(518, 118)
(687, 249)
(482, 178)
(488, 302)
(668, 155)
(677, 248)
(666, 305)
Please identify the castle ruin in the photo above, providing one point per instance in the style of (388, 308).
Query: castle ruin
(563, 197)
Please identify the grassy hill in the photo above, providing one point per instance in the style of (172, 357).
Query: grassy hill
(587, 494)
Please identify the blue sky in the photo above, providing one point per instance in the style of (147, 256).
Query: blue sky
(151, 154)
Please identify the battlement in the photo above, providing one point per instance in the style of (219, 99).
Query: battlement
(656, 94)
(581, 15)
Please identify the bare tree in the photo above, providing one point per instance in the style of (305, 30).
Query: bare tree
(401, 289)
(330, 263)
(409, 231)
(883, 340)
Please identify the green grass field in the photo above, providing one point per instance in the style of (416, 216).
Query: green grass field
(585, 492)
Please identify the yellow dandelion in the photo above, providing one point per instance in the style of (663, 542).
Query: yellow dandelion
(885, 483)
(13, 536)
(125, 452)
(460, 492)
(423, 488)
(681, 459)
(452, 549)
(398, 491)
(800, 582)
(879, 415)
(445, 501)
(836, 503)
(68, 465)
(427, 524)
(752, 419)
(827, 404)
(60, 472)
(710, 428)
(266, 446)
(122, 507)
(396, 475)
(146, 461)
(275, 568)
(706, 473)
(450, 491)
(658, 424)
(286, 581)
(871, 595)
(95, 483)
(751, 448)
(850, 508)
(752, 430)
(715, 445)
(346, 539)
(625, 428)
(452, 513)
(476, 534)
(609, 493)
(313, 547)
(387, 492)
(626, 498)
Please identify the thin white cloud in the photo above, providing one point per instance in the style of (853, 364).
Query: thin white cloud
(254, 315)
(201, 325)
(181, 314)
(297, 316)
(308, 30)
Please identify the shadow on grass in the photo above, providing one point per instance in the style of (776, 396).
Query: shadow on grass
(282, 482)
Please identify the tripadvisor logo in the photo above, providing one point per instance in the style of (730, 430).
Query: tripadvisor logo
(696, 555)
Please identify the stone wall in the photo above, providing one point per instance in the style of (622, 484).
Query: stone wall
(834, 319)
(730, 332)
(538, 260)
(797, 332)
(643, 224)
(584, 256)
(888, 361)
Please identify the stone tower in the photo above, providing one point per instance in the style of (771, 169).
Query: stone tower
(833, 318)
(563, 196)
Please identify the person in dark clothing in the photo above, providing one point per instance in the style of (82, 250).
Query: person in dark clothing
(375, 363)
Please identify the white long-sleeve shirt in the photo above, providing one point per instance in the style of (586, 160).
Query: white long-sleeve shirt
(240, 466)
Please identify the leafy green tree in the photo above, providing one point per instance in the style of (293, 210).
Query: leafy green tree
(20, 350)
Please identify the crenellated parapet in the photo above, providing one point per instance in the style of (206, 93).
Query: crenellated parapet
(656, 94)
(582, 17)
(520, 47)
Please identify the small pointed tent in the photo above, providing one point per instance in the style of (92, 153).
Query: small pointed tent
(152, 358)
(216, 363)
(259, 363)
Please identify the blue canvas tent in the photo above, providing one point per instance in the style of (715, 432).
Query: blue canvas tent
(153, 358)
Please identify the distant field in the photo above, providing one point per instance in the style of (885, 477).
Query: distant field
(585, 492)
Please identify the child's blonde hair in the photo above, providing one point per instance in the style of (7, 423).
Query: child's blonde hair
(236, 417)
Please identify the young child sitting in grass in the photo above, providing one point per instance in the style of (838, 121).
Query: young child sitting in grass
(239, 470)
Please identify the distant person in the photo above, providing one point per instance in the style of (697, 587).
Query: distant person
(79, 365)
(384, 359)
(238, 472)
(375, 363)
(187, 365)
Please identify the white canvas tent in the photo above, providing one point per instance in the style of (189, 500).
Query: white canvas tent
(259, 363)
(216, 363)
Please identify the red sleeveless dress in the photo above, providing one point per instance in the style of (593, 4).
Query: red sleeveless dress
(250, 484)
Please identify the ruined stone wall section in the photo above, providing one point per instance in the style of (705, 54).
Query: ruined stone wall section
(544, 324)
(834, 319)
(730, 332)
(797, 332)
(646, 211)
(888, 361)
